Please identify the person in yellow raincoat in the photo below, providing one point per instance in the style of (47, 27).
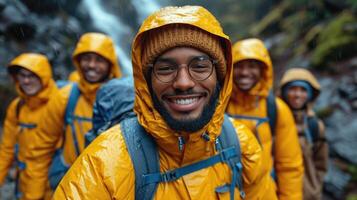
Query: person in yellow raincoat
(95, 59)
(182, 69)
(34, 84)
(74, 76)
(253, 80)
(299, 89)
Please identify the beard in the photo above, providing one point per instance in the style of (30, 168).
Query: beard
(189, 125)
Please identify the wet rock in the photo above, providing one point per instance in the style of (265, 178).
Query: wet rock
(50, 6)
(335, 181)
(341, 135)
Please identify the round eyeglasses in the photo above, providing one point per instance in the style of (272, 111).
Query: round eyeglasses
(200, 68)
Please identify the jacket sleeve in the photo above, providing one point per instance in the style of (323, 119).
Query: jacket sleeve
(288, 162)
(49, 132)
(8, 141)
(103, 171)
(321, 154)
(254, 181)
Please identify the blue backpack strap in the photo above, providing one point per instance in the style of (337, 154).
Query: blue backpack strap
(259, 120)
(69, 116)
(62, 83)
(144, 155)
(271, 111)
(312, 132)
(272, 115)
(228, 138)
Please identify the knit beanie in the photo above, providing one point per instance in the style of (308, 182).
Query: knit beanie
(160, 40)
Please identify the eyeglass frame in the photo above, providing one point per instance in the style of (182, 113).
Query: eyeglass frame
(213, 61)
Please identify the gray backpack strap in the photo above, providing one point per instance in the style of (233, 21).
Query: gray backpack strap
(228, 138)
(144, 155)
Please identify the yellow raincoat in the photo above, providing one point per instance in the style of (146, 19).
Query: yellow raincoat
(50, 132)
(284, 155)
(315, 155)
(105, 171)
(22, 117)
(74, 76)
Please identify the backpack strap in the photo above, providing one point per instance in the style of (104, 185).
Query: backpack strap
(19, 105)
(228, 138)
(144, 155)
(69, 116)
(312, 132)
(271, 111)
(260, 120)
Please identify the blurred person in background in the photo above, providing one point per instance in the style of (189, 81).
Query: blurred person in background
(299, 89)
(34, 84)
(252, 101)
(69, 114)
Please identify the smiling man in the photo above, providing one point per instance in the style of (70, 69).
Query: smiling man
(68, 116)
(182, 69)
(268, 117)
(32, 74)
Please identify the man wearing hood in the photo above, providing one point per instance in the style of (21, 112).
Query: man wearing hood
(182, 69)
(253, 80)
(95, 59)
(34, 84)
(299, 89)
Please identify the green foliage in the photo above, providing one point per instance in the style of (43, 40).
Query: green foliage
(337, 41)
(325, 112)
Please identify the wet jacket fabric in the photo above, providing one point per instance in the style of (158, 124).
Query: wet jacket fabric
(52, 132)
(25, 110)
(105, 171)
(74, 76)
(315, 154)
(284, 154)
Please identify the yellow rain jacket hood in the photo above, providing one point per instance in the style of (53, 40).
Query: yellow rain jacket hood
(148, 117)
(111, 174)
(102, 45)
(53, 132)
(254, 49)
(22, 117)
(300, 74)
(39, 65)
(288, 164)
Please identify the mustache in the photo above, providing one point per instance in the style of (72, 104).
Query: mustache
(186, 92)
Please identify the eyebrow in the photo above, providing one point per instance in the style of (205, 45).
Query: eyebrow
(171, 60)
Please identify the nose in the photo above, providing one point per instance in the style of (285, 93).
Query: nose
(244, 69)
(91, 63)
(183, 80)
(26, 79)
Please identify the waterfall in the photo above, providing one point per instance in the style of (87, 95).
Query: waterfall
(111, 25)
(144, 8)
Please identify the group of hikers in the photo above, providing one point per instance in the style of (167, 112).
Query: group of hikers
(197, 120)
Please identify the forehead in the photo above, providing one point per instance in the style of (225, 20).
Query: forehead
(250, 63)
(24, 71)
(90, 55)
(296, 87)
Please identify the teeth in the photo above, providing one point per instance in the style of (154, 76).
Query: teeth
(91, 73)
(186, 101)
